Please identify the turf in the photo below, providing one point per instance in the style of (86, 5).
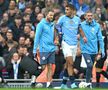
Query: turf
(49, 89)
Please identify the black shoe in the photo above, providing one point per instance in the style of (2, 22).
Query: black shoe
(33, 85)
(89, 85)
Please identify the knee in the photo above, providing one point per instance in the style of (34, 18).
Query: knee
(49, 66)
(90, 65)
(43, 67)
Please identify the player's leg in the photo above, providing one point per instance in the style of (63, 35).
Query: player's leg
(50, 61)
(65, 77)
(89, 59)
(65, 50)
(72, 78)
(89, 63)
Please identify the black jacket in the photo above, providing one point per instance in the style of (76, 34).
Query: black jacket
(10, 70)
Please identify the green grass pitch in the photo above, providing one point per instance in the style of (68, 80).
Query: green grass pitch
(49, 89)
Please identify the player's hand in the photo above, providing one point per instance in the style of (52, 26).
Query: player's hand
(98, 57)
(56, 41)
(85, 39)
(103, 55)
(35, 55)
(78, 36)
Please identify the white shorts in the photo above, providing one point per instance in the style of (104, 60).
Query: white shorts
(69, 50)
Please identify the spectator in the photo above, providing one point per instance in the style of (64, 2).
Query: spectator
(81, 7)
(17, 27)
(2, 45)
(9, 36)
(28, 63)
(28, 23)
(106, 13)
(99, 16)
(37, 10)
(28, 10)
(27, 30)
(11, 12)
(90, 3)
(5, 18)
(14, 68)
(2, 66)
(38, 18)
(32, 34)
(12, 4)
(4, 29)
(100, 61)
(78, 70)
(21, 5)
(64, 3)
(98, 3)
(73, 2)
(3, 7)
(26, 17)
(21, 40)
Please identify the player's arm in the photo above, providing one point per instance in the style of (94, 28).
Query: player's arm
(83, 35)
(37, 38)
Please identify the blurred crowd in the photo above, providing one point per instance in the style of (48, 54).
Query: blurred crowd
(18, 20)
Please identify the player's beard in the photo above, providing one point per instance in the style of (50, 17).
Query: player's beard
(49, 19)
(90, 20)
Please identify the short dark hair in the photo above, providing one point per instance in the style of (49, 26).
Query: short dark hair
(4, 24)
(71, 6)
(47, 10)
(89, 11)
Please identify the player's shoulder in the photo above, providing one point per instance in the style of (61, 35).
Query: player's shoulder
(96, 23)
(83, 22)
(77, 17)
(63, 16)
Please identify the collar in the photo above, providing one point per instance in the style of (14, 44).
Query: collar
(92, 23)
(70, 17)
(45, 21)
(18, 61)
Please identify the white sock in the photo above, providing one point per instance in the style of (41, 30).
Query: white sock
(33, 79)
(0, 79)
(48, 83)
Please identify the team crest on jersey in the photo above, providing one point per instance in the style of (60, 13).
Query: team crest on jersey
(71, 22)
(92, 30)
(43, 58)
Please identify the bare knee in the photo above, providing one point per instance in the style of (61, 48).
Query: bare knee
(49, 66)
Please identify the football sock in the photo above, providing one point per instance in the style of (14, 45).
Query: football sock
(97, 77)
(72, 78)
(33, 79)
(48, 84)
(65, 77)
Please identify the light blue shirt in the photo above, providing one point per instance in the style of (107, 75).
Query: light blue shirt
(69, 27)
(93, 34)
(44, 37)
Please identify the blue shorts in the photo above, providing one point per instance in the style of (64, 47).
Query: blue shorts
(47, 58)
